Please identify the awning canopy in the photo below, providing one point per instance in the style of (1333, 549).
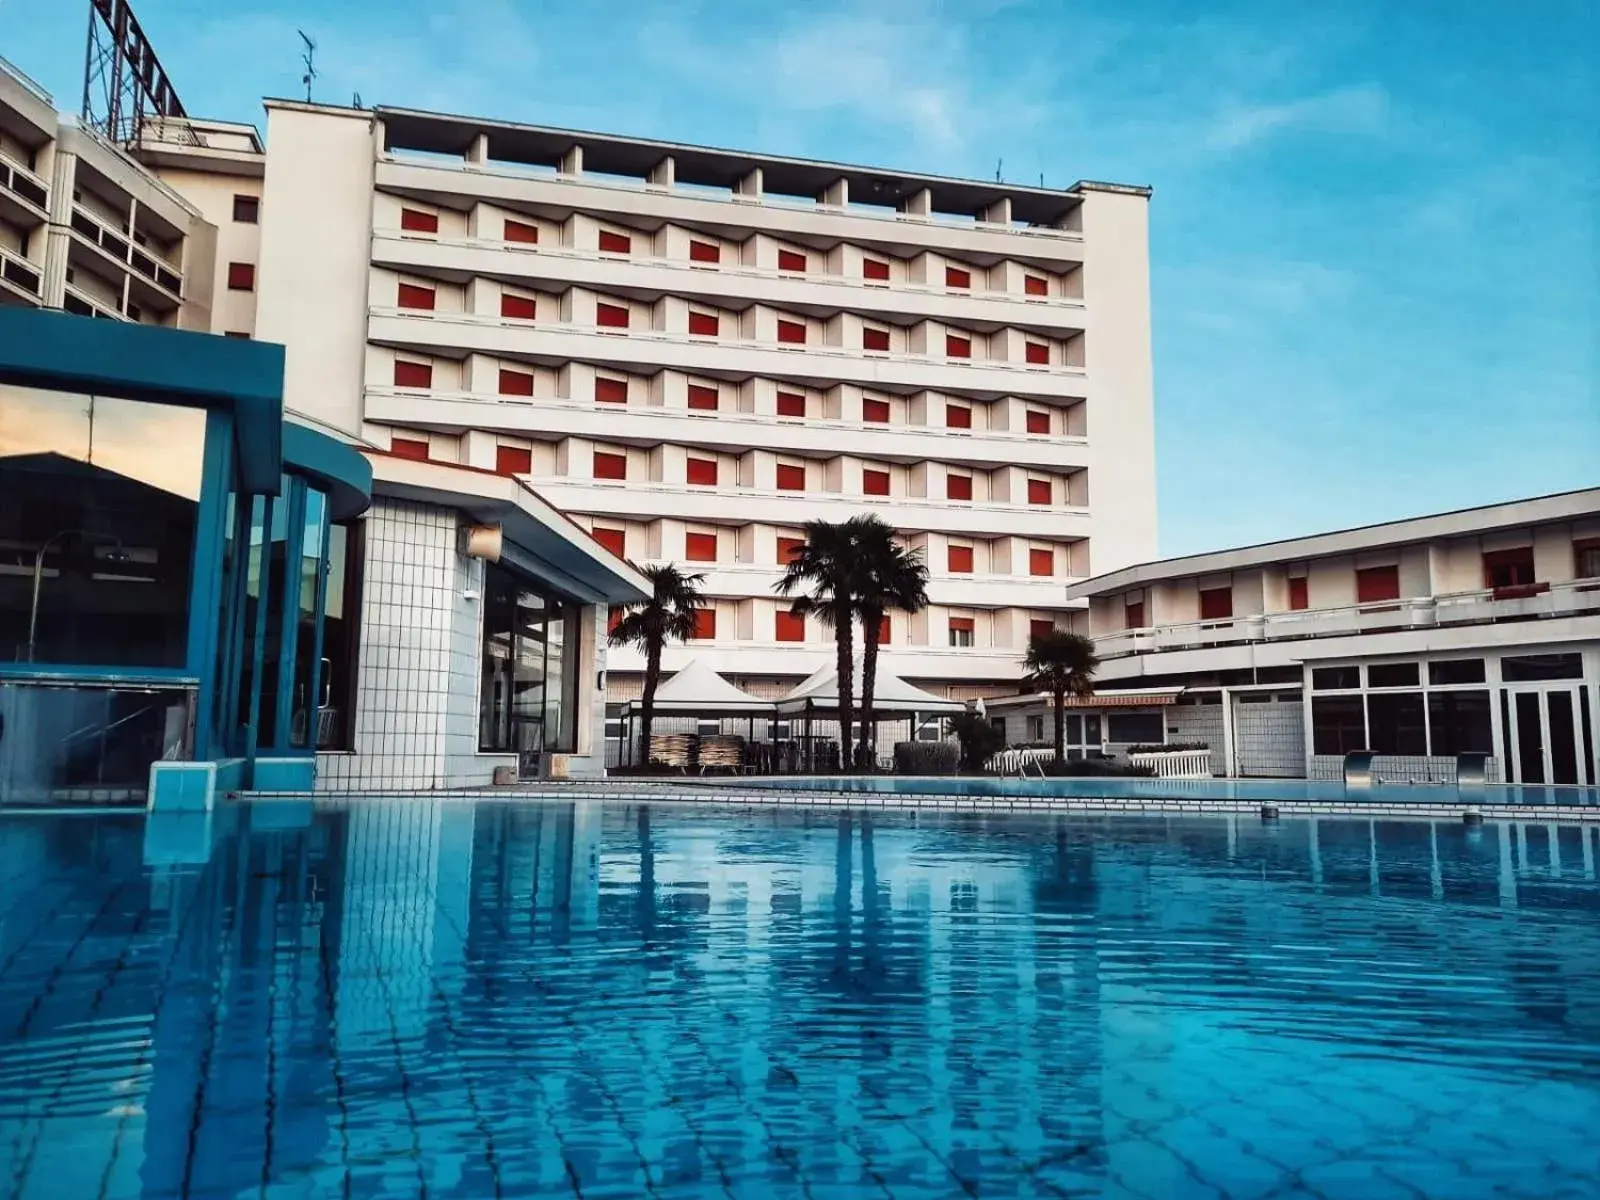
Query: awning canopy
(1147, 699)
(698, 689)
(891, 694)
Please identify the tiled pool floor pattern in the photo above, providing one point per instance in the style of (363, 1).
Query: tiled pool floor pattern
(448, 999)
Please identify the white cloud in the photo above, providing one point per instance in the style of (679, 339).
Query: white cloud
(1360, 109)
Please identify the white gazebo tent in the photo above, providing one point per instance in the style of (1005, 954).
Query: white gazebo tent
(818, 694)
(698, 691)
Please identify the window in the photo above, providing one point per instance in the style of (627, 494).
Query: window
(1040, 492)
(1040, 627)
(702, 472)
(521, 231)
(790, 260)
(1391, 675)
(1459, 723)
(875, 339)
(1035, 728)
(791, 333)
(955, 277)
(957, 416)
(788, 547)
(1216, 604)
(1532, 668)
(1038, 422)
(1508, 568)
(791, 478)
(705, 625)
(1037, 353)
(957, 347)
(704, 324)
(704, 252)
(247, 209)
(1338, 725)
(703, 398)
(236, 333)
(700, 547)
(1455, 670)
(1334, 679)
(411, 448)
(515, 383)
(412, 295)
(1394, 723)
(791, 404)
(961, 631)
(1133, 615)
(610, 391)
(1035, 285)
(871, 268)
(1041, 562)
(1136, 728)
(241, 277)
(611, 316)
(615, 243)
(614, 540)
(875, 483)
(529, 681)
(513, 460)
(412, 374)
(788, 626)
(610, 466)
(1586, 558)
(414, 220)
(959, 560)
(1374, 584)
(958, 487)
(1298, 597)
(521, 308)
(875, 412)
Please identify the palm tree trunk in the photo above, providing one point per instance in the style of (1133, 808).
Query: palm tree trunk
(647, 704)
(1061, 727)
(846, 670)
(870, 629)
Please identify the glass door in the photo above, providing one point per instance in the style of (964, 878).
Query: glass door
(1545, 736)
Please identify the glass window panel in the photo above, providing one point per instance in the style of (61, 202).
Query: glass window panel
(308, 709)
(1337, 725)
(1147, 728)
(1529, 668)
(1388, 675)
(1459, 723)
(1333, 679)
(1455, 670)
(1394, 723)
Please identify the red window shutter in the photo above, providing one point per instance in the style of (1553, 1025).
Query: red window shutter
(409, 448)
(885, 628)
(610, 391)
(614, 618)
(1040, 492)
(413, 296)
(955, 277)
(1216, 604)
(871, 268)
(702, 472)
(702, 397)
(790, 260)
(614, 540)
(615, 243)
(1038, 353)
(610, 316)
(242, 277)
(791, 478)
(414, 221)
(1035, 285)
(1133, 615)
(960, 560)
(875, 339)
(412, 374)
(515, 383)
(705, 624)
(788, 547)
(792, 332)
(610, 466)
(1038, 422)
(1377, 583)
(704, 252)
(963, 624)
(958, 487)
(957, 416)
(1299, 595)
(513, 460)
(522, 308)
(791, 404)
(788, 626)
(521, 231)
(875, 412)
(957, 347)
(875, 483)
(1039, 626)
(1041, 562)
(700, 547)
(704, 324)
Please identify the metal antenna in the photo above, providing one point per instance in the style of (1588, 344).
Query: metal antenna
(309, 58)
(998, 163)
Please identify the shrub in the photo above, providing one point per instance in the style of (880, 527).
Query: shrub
(979, 739)
(1095, 768)
(1168, 748)
(926, 758)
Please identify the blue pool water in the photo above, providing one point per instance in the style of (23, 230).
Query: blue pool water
(606, 1000)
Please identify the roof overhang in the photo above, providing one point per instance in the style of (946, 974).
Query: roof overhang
(1150, 698)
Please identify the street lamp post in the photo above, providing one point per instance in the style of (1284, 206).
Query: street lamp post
(38, 573)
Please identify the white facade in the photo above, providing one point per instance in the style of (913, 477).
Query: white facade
(1403, 638)
(693, 352)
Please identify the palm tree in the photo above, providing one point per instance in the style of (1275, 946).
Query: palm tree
(892, 578)
(1062, 664)
(826, 566)
(669, 615)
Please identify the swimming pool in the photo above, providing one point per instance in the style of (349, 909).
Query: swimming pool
(605, 999)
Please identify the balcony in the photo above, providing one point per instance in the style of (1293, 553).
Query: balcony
(740, 656)
(159, 285)
(24, 196)
(20, 280)
(1579, 598)
(80, 303)
(737, 580)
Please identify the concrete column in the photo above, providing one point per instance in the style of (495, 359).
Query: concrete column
(836, 193)
(998, 213)
(571, 162)
(750, 185)
(918, 204)
(478, 152)
(664, 173)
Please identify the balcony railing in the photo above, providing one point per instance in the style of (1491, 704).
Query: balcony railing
(23, 183)
(126, 252)
(19, 272)
(1423, 612)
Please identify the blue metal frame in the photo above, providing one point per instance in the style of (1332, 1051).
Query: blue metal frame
(289, 614)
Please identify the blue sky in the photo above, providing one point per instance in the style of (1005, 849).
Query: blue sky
(1375, 275)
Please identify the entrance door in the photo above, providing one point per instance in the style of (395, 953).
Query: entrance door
(1545, 736)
